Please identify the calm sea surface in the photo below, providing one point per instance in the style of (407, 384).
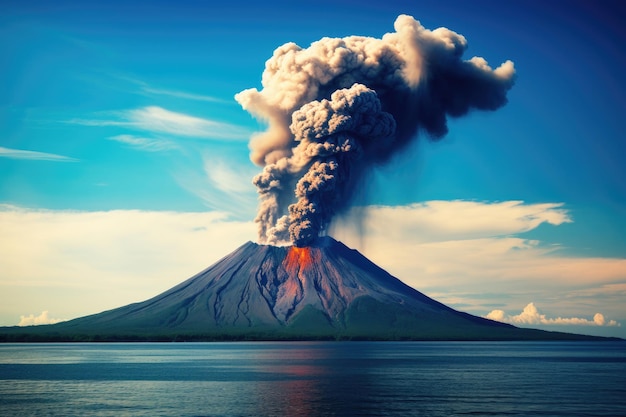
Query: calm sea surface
(314, 379)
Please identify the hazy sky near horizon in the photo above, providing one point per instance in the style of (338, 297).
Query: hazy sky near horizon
(124, 160)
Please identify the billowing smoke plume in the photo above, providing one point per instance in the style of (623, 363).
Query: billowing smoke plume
(341, 106)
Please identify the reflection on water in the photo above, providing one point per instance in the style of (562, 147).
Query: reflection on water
(314, 379)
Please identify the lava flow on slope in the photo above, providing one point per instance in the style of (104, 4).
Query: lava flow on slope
(300, 258)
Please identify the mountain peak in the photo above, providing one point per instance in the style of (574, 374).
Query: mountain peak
(324, 290)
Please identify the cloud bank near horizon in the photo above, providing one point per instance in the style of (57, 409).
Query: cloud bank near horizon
(531, 316)
(43, 318)
(74, 263)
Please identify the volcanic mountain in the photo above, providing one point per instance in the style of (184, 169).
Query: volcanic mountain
(262, 292)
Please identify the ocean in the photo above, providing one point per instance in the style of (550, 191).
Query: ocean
(314, 379)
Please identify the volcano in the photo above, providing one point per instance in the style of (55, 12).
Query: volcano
(262, 292)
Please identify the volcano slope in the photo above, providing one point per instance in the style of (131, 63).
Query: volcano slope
(261, 292)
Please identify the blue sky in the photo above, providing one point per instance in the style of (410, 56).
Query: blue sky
(124, 162)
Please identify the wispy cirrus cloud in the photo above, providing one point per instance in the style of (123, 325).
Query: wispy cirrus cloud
(182, 94)
(228, 177)
(156, 119)
(148, 89)
(33, 155)
(224, 184)
(145, 144)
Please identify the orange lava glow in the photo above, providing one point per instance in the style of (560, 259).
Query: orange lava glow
(298, 257)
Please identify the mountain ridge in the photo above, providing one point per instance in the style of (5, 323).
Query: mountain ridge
(264, 292)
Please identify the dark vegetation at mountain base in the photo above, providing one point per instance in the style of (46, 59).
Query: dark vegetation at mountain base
(31, 335)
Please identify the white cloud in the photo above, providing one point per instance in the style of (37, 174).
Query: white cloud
(223, 185)
(159, 120)
(145, 144)
(227, 177)
(531, 316)
(33, 320)
(182, 94)
(456, 243)
(454, 220)
(146, 88)
(33, 155)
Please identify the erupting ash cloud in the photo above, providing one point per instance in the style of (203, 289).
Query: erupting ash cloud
(342, 106)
